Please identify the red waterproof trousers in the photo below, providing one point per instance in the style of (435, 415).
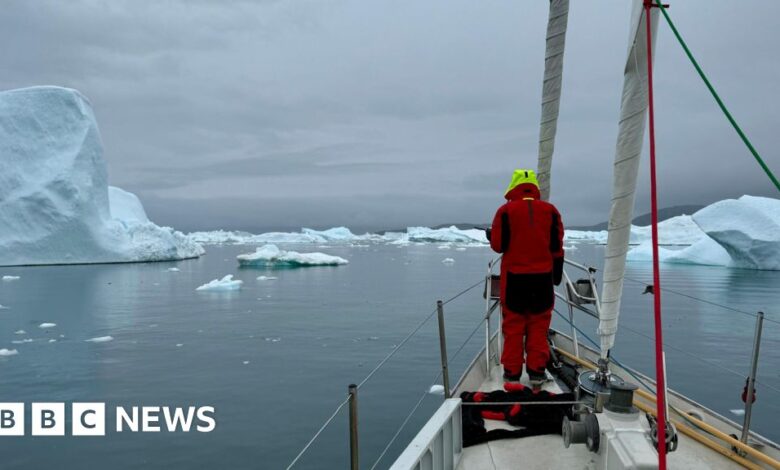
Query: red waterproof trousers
(525, 334)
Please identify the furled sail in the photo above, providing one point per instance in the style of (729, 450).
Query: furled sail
(551, 90)
(633, 115)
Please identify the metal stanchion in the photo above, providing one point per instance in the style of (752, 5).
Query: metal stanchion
(443, 346)
(751, 383)
(354, 463)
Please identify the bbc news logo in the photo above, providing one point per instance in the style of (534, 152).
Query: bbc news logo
(89, 419)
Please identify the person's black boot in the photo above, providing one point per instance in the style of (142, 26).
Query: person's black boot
(510, 377)
(536, 378)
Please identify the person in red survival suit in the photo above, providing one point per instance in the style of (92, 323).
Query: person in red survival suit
(529, 233)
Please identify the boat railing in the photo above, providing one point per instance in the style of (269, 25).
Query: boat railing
(440, 443)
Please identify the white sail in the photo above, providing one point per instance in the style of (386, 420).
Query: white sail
(551, 90)
(633, 115)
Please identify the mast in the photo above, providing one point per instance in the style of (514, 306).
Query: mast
(551, 90)
(633, 116)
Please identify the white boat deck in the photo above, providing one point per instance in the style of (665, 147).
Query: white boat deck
(548, 452)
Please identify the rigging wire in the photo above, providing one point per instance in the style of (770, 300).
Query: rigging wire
(715, 95)
(666, 289)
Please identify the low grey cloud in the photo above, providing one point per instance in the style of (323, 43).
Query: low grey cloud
(379, 114)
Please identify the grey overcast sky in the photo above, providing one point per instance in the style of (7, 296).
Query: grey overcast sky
(385, 113)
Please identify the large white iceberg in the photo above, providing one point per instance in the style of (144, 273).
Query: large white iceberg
(450, 234)
(748, 228)
(55, 203)
(272, 256)
(740, 233)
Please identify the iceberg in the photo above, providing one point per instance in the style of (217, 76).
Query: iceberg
(8, 352)
(448, 261)
(748, 228)
(272, 256)
(305, 236)
(11, 278)
(450, 234)
(45, 326)
(226, 283)
(55, 203)
(705, 252)
(738, 233)
(680, 230)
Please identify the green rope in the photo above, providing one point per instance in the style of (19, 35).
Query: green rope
(717, 98)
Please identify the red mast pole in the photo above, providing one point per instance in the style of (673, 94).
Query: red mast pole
(660, 374)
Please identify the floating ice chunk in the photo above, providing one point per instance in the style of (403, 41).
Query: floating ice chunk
(436, 389)
(52, 340)
(20, 332)
(178, 345)
(272, 256)
(3, 307)
(11, 278)
(226, 283)
(748, 229)
(266, 278)
(450, 234)
(8, 352)
(245, 362)
(445, 247)
(273, 339)
(585, 236)
(22, 341)
(448, 261)
(174, 270)
(460, 248)
(738, 412)
(47, 325)
(679, 230)
(100, 339)
(705, 252)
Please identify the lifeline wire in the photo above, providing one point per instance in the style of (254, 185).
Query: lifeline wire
(422, 398)
(333, 416)
(317, 434)
(750, 314)
(409, 336)
(723, 108)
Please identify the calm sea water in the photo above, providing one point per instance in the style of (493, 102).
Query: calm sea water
(275, 358)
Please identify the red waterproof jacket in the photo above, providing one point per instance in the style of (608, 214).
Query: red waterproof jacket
(529, 232)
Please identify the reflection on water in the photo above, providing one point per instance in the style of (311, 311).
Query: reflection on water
(275, 357)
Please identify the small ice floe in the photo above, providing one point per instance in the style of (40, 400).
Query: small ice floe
(738, 412)
(271, 255)
(174, 270)
(460, 248)
(22, 341)
(570, 248)
(20, 332)
(100, 339)
(373, 338)
(178, 345)
(52, 340)
(226, 283)
(3, 307)
(266, 278)
(245, 362)
(273, 339)
(11, 278)
(45, 326)
(436, 389)
(448, 261)
(445, 247)
(8, 352)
